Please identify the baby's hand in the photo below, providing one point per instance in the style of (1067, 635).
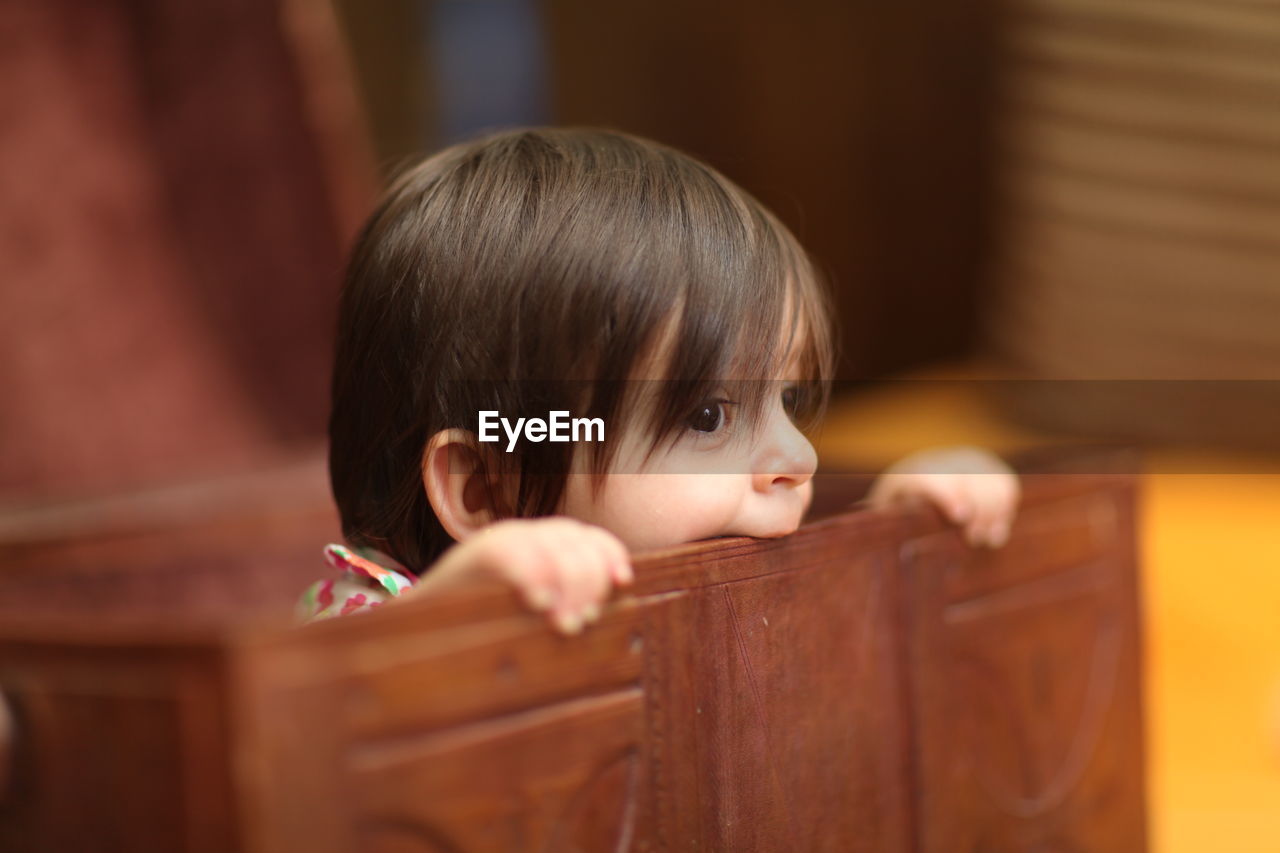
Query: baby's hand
(972, 487)
(559, 565)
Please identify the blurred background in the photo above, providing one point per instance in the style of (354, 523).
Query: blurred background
(1043, 221)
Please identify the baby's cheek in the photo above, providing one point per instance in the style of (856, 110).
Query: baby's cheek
(648, 511)
(634, 510)
(669, 513)
(711, 507)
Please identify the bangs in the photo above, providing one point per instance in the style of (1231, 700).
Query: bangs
(780, 339)
(747, 318)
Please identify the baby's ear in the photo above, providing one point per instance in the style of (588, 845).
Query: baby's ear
(464, 492)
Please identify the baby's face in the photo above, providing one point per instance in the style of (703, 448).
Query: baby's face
(716, 480)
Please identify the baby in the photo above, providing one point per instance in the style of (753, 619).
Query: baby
(569, 278)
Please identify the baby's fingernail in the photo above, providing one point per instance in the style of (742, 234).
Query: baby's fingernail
(625, 574)
(591, 613)
(569, 623)
(540, 598)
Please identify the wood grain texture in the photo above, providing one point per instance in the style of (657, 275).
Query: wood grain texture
(1024, 666)
(867, 683)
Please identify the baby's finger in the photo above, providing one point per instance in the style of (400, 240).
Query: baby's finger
(618, 557)
(545, 573)
(979, 534)
(598, 576)
(950, 496)
(990, 526)
(566, 614)
(524, 567)
(984, 513)
(1009, 493)
(998, 535)
(538, 592)
(584, 579)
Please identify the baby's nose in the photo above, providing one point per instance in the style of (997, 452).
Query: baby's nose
(786, 460)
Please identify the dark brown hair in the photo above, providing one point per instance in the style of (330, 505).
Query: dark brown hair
(531, 270)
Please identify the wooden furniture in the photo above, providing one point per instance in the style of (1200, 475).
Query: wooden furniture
(868, 683)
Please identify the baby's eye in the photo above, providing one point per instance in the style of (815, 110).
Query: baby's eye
(708, 416)
(791, 401)
(802, 402)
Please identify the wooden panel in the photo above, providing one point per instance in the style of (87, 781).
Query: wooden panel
(573, 782)
(782, 690)
(117, 747)
(1024, 665)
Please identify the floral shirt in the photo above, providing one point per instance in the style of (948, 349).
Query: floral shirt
(362, 585)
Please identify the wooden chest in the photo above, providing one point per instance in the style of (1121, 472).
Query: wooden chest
(869, 683)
